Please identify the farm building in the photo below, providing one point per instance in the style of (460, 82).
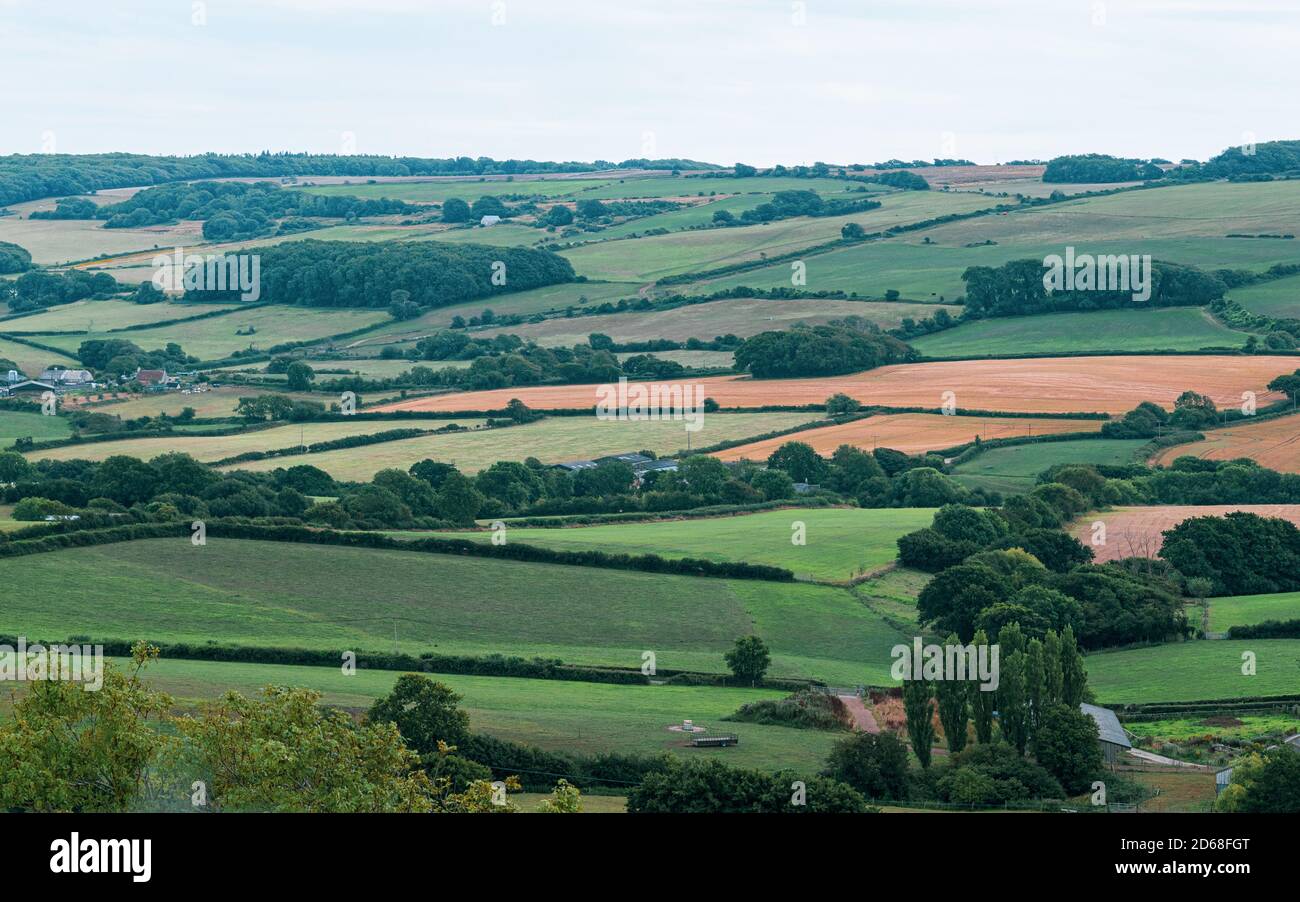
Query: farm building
(30, 387)
(1112, 738)
(489, 220)
(61, 376)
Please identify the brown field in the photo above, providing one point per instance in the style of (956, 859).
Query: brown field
(1273, 443)
(1136, 531)
(911, 433)
(1040, 385)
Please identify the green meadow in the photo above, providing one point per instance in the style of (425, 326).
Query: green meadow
(307, 596)
(1244, 610)
(839, 543)
(1014, 469)
(1164, 329)
(1195, 671)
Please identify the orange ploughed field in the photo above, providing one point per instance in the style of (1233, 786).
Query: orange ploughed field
(1137, 531)
(1270, 443)
(911, 433)
(1039, 385)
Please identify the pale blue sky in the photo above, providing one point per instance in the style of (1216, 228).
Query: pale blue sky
(990, 80)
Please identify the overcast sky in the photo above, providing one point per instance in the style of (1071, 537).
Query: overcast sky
(760, 81)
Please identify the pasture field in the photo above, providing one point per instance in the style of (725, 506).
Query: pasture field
(733, 316)
(682, 252)
(32, 361)
(308, 596)
(1165, 329)
(89, 316)
(1272, 443)
(893, 592)
(1194, 671)
(15, 425)
(664, 186)
(1181, 729)
(215, 338)
(841, 542)
(214, 403)
(697, 214)
(1038, 385)
(1138, 531)
(1279, 298)
(521, 303)
(208, 448)
(55, 241)
(551, 440)
(1246, 610)
(583, 718)
(1202, 210)
(911, 433)
(1014, 469)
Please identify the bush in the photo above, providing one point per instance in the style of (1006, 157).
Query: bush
(807, 709)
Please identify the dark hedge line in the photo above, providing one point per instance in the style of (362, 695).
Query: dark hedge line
(84, 538)
(351, 441)
(969, 450)
(1201, 352)
(1268, 629)
(650, 563)
(223, 311)
(538, 769)
(698, 513)
(126, 434)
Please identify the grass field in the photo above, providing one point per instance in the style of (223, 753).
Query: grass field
(1245, 610)
(1194, 671)
(1138, 531)
(735, 316)
(15, 425)
(1167, 329)
(216, 402)
(1279, 298)
(214, 338)
(52, 241)
(522, 303)
(840, 542)
(209, 448)
(1039, 385)
(88, 316)
(585, 718)
(551, 440)
(1272, 443)
(911, 433)
(1015, 469)
(437, 191)
(32, 361)
(305, 596)
(664, 255)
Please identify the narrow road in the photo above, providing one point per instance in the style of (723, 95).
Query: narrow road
(863, 720)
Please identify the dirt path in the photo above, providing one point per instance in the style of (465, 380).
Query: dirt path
(1153, 758)
(863, 720)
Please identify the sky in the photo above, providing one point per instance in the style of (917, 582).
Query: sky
(761, 82)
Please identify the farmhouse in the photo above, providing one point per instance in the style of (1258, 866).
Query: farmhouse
(489, 220)
(61, 376)
(1112, 738)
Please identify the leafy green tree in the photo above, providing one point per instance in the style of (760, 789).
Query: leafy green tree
(774, 485)
(1074, 676)
(917, 695)
(954, 706)
(1013, 699)
(800, 461)
(455, 210)
(749, 659)
(13, 467)
(1066, 743)
(875, 764)
(982, 702)
(1267, 783)
(424, 712)
(840, 404)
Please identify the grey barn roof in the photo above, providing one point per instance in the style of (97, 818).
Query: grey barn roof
(1107, 725)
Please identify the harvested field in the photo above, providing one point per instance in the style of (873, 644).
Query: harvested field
(1041, 385)
(1136, 531)
(1272, 443)
(911, 433)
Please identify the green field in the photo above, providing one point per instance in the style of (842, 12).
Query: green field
(89, 316)
(521, 303)
(1015, 468)
(840, 542)
(32, 361)
(308, 596)
(670, 186)
(208, 448)
(552, 440)
(435, 192)
(1194, 671)
(1244, 610)
(52, 241)
(215, 337)
(216, 402)
(682, 252)
(1165, 329)
(1279, 298)
(583, 718)
(14, 425)
(734, 316)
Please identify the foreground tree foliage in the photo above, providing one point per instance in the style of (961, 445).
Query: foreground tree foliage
(707, 786)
